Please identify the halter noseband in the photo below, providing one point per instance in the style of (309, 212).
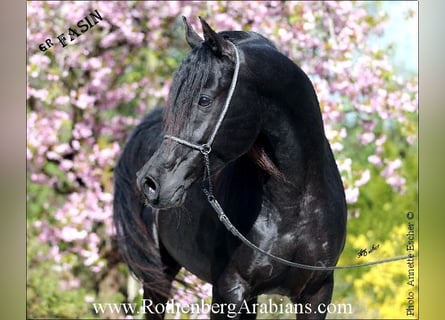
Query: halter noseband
(205, 150)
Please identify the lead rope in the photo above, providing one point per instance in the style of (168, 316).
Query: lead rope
(205, 150)
(232, 229)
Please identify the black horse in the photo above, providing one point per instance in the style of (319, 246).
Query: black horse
(273, 172)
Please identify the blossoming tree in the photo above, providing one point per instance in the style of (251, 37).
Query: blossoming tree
(83, 100)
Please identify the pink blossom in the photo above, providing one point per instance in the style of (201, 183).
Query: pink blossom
(375, 160)
(345, 165)
(91, 258)
(69, 234)
(351, 195)
(85, 101)
(92, 63)
(336, 146)
(106, 197)
(391, 167)
(62, 148)
(62, 100)
(55, 253)
(40, 94)
(110, 39)
(364, 179)
(366, 138)
(396, 182)
(52, 155)
(75, 144)
(411, 139)
(81, 131)
(38, 178)
(66, 165)
(69, 284)
(380, 141)
(40, 60)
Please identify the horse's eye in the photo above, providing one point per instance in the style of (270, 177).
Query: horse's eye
(204, 101)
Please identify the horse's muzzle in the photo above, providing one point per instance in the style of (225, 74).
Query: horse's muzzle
(161, 192)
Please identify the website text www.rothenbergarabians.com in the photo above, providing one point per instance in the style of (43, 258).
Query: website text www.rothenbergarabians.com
(231, 310)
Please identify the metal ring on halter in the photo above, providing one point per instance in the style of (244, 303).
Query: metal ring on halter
(205, 149)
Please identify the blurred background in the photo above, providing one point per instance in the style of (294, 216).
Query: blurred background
(84, 99)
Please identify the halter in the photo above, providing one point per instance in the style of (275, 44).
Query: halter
(205, 150)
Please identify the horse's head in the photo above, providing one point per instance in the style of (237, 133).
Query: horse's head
(202, 109)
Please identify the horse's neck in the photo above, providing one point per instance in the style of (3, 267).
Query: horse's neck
(292, 125)
(296, 136)
(291, 115)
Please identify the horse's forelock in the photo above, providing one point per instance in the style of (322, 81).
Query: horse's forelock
(189, 80)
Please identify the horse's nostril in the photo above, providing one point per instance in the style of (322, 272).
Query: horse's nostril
(151, 189)
(149, 183)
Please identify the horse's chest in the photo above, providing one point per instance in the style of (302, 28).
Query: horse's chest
(204, 247)
(188, 242)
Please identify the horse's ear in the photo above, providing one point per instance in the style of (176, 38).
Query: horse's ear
(217, 44)
(192, 38)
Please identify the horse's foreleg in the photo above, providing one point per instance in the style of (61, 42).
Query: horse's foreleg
(229, 294)
(315, 299)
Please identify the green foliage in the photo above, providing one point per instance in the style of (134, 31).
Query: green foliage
(381, 221)
(46, 297)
